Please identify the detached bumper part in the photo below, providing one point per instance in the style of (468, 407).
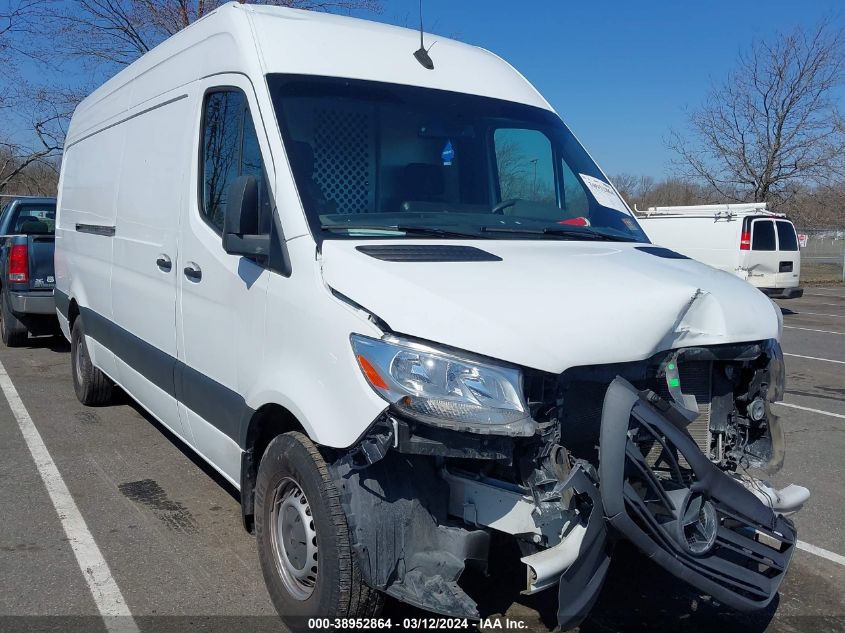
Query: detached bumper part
(581, 582)
(691, 518)
(786, 501)
(405, 544)
(795, 292)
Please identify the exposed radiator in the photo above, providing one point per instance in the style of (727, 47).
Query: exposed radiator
(696, 379)
(580, 406)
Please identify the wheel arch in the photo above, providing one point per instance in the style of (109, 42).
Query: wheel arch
(72, 313)
(267, 422)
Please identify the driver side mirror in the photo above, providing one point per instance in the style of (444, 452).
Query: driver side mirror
(240, 224)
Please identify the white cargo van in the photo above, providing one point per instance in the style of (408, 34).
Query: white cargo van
(744, 239)
(392, 299)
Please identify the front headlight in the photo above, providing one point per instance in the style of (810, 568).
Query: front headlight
(441, 389)
(779, 315)
(777, 372)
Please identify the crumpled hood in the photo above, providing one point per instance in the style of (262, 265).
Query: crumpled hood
(551, 305)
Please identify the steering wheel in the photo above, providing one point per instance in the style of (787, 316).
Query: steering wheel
(499, 209)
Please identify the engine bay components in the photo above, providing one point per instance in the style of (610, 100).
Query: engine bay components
(658, 450)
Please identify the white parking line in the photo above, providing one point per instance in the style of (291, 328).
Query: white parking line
(809, 329)
(104, 589)
(816, 294)
(818, 551)
(835, 316)
(826, 360)
(830, 305)
(819, 411)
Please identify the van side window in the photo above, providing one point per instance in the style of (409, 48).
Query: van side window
(229, 149)
(763, 236)
(253, 165)
(787, 240)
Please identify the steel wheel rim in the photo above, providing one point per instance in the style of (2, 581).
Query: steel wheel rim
(78, 362)
(294, 539)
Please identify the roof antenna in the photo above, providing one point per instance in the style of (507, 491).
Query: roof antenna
(422, 55)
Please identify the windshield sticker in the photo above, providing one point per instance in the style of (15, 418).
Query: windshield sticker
(603, 193)
(448, 154)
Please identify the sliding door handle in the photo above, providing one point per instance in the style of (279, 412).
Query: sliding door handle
(164, 263)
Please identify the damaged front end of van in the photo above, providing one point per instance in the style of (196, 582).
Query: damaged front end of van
(655, 451)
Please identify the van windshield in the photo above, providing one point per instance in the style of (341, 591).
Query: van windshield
(384, 160)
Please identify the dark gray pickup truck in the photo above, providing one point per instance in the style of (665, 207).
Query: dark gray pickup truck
(27, 276)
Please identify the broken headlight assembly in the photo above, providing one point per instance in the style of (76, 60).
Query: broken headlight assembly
(437, 387)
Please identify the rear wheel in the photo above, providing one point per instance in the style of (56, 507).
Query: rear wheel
(303, 538)
(92, 386)
(12, 331)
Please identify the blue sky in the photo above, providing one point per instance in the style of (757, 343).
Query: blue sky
(620, 73)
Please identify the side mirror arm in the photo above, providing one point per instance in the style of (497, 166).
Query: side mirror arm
(240, 224)
(251, 245)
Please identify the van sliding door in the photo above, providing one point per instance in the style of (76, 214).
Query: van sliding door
(144, 274)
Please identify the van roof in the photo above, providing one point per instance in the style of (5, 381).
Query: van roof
(710, 210)
(256, 40)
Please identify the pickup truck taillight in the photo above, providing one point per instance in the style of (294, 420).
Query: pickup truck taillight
(745, 241)
(19, 264)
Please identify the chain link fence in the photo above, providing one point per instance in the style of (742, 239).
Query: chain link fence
(822, 254)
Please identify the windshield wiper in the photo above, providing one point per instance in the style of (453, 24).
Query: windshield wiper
(560, 231)
(413, 230)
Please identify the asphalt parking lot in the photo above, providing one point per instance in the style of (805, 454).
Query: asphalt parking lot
(168, 528)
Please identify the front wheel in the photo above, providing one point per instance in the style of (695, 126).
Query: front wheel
(303, 538)
(92, 386)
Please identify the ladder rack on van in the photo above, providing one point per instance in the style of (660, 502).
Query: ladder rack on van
(725, 211)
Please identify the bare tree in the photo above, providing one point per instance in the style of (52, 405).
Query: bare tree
(627, 185)
(644, 192)
(25, 159)
(34, 178)
(18, 160)
(818, 207)
(103, 33)
(15, 19)
(119, 31)
(773, 124)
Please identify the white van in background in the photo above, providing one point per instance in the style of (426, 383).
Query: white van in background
(744, 239)
(392, 300)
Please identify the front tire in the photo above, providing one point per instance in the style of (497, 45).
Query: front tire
(92, 386)
(12, 331)
(303, 538)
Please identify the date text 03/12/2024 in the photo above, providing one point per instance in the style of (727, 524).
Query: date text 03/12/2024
(431, 623)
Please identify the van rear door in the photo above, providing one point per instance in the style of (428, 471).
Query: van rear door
(789, 257)
(773, 260)
(761, 261)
